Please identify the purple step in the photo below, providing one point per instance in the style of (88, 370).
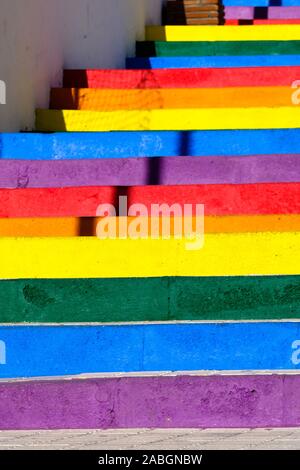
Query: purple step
(216, 401)
(271, 13)
(147, 171)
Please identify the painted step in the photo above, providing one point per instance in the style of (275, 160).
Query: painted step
(128, 172)
(212, 62)
(188, 78)
(219, 200)
(117, 145)
(87, 226)
(223, 33)
(110, 100)
(261, 3)
(165, 119)
(73, 349)
(178, 401)
(227, 254)
(260, 22)
(218, 48)
(262, 13)
(150, 299)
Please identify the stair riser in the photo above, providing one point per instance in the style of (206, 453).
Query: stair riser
(193, 13)
(228, 254)
(106, 145)
(153, 402)
(38, 351)
(87, 226)
(168, 119)
(222, 33)
(111, 100)
(219, 48)
(202, 20)
(212, 61)
(150, 299)
(189, 78)
(155, 171)
(280, 198)
(183, 18)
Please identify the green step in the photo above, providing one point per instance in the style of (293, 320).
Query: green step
(150, 299)
(213, 48)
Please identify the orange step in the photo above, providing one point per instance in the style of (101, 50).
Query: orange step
(87, 226)
(109, 99)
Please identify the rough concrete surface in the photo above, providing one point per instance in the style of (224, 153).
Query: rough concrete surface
(153, 439)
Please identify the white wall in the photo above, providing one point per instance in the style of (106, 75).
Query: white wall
(38, 38)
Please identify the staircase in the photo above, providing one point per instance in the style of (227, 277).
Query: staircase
(138, 332)
(260, 12)
(193, 12)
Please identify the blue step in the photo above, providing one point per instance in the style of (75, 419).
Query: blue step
(94, 145)
(136, 63)
(32, 351)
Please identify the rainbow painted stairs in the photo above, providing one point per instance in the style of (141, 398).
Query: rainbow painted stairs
(130, 333)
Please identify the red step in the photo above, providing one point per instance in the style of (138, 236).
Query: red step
(182, 78)
(220, 199)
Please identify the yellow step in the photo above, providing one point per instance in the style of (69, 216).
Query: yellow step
(169, 119)
(222, 255)
(290, 32)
